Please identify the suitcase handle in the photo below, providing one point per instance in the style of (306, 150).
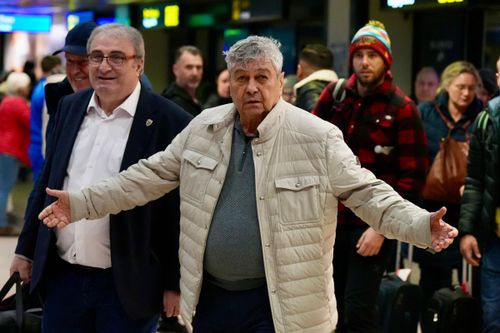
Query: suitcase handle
(15, 278)
(466, 277)
(399, 255)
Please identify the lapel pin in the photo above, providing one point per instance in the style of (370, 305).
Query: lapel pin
(149, 122)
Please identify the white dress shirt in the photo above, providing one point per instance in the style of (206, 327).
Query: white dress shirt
(97, 154)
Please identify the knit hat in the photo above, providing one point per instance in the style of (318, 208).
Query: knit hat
(373, 36)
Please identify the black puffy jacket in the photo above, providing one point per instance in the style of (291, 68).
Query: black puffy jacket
(308, 94)
(307, 90)
(478, 209)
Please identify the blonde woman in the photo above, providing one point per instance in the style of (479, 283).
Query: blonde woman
(452, 112)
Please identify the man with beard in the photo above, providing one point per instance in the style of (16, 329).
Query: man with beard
(188, 71)
(383, 128)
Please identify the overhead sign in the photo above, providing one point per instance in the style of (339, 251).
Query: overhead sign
(256, 10)
(74, 18)
(27, 23)
(159, 16)
(417, 4)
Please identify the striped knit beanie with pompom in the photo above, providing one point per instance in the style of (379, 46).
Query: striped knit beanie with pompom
(373, 36)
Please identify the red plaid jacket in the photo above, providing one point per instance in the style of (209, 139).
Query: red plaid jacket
(385, 131)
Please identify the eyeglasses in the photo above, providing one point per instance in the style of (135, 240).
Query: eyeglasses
(114, 58)
(77, 63)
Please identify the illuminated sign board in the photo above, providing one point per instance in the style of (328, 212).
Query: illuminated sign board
(418, 4)
(231, 36)
(151, 17)
(171, 15)
(122, 15)
(105, 20)
(159, 16)
(201, 20)
(27, 23)
(75, 18)
(256, 10)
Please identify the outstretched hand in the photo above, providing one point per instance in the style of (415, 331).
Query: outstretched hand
(57, 214)
(442, 234)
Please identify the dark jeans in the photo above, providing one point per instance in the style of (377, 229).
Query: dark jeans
(224, 311)
(490, 286)
(85, 301)
(357, 281)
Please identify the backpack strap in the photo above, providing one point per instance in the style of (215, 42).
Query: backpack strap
(338, 92)
(484, 116)
(482, 120)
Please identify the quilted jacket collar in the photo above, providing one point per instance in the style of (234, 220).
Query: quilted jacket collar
(220, 117)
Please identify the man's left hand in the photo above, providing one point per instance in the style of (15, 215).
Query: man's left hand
(171, 303)
(442, 234)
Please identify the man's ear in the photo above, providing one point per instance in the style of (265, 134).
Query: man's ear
(300, 71)
(140, 66)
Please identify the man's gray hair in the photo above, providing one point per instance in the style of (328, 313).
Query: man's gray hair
(120, 31)
(255, 48)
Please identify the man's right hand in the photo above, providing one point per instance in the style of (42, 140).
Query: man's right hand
(57, 214)
(22, 266)
(470, 250)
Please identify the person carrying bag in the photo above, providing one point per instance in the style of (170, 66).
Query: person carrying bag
(449, 168)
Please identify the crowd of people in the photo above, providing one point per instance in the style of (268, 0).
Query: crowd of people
(274, 205)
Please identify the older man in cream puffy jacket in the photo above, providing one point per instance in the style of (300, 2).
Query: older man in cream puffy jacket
(260, 182)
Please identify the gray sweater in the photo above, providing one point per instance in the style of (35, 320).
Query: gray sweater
(233, 256)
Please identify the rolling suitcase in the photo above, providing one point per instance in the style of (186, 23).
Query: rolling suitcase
(453, 309)
(399, 301)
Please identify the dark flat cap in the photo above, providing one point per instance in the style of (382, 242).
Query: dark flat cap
(76, 39)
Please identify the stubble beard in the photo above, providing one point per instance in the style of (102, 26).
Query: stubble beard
(372, 82)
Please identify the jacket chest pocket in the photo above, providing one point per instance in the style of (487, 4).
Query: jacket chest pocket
(197, 171)
(380, 129)
(298, 198)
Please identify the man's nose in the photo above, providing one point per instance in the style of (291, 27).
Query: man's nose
(252, 86)
(104, 65)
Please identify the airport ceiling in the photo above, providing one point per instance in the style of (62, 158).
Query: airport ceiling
(54, 6)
